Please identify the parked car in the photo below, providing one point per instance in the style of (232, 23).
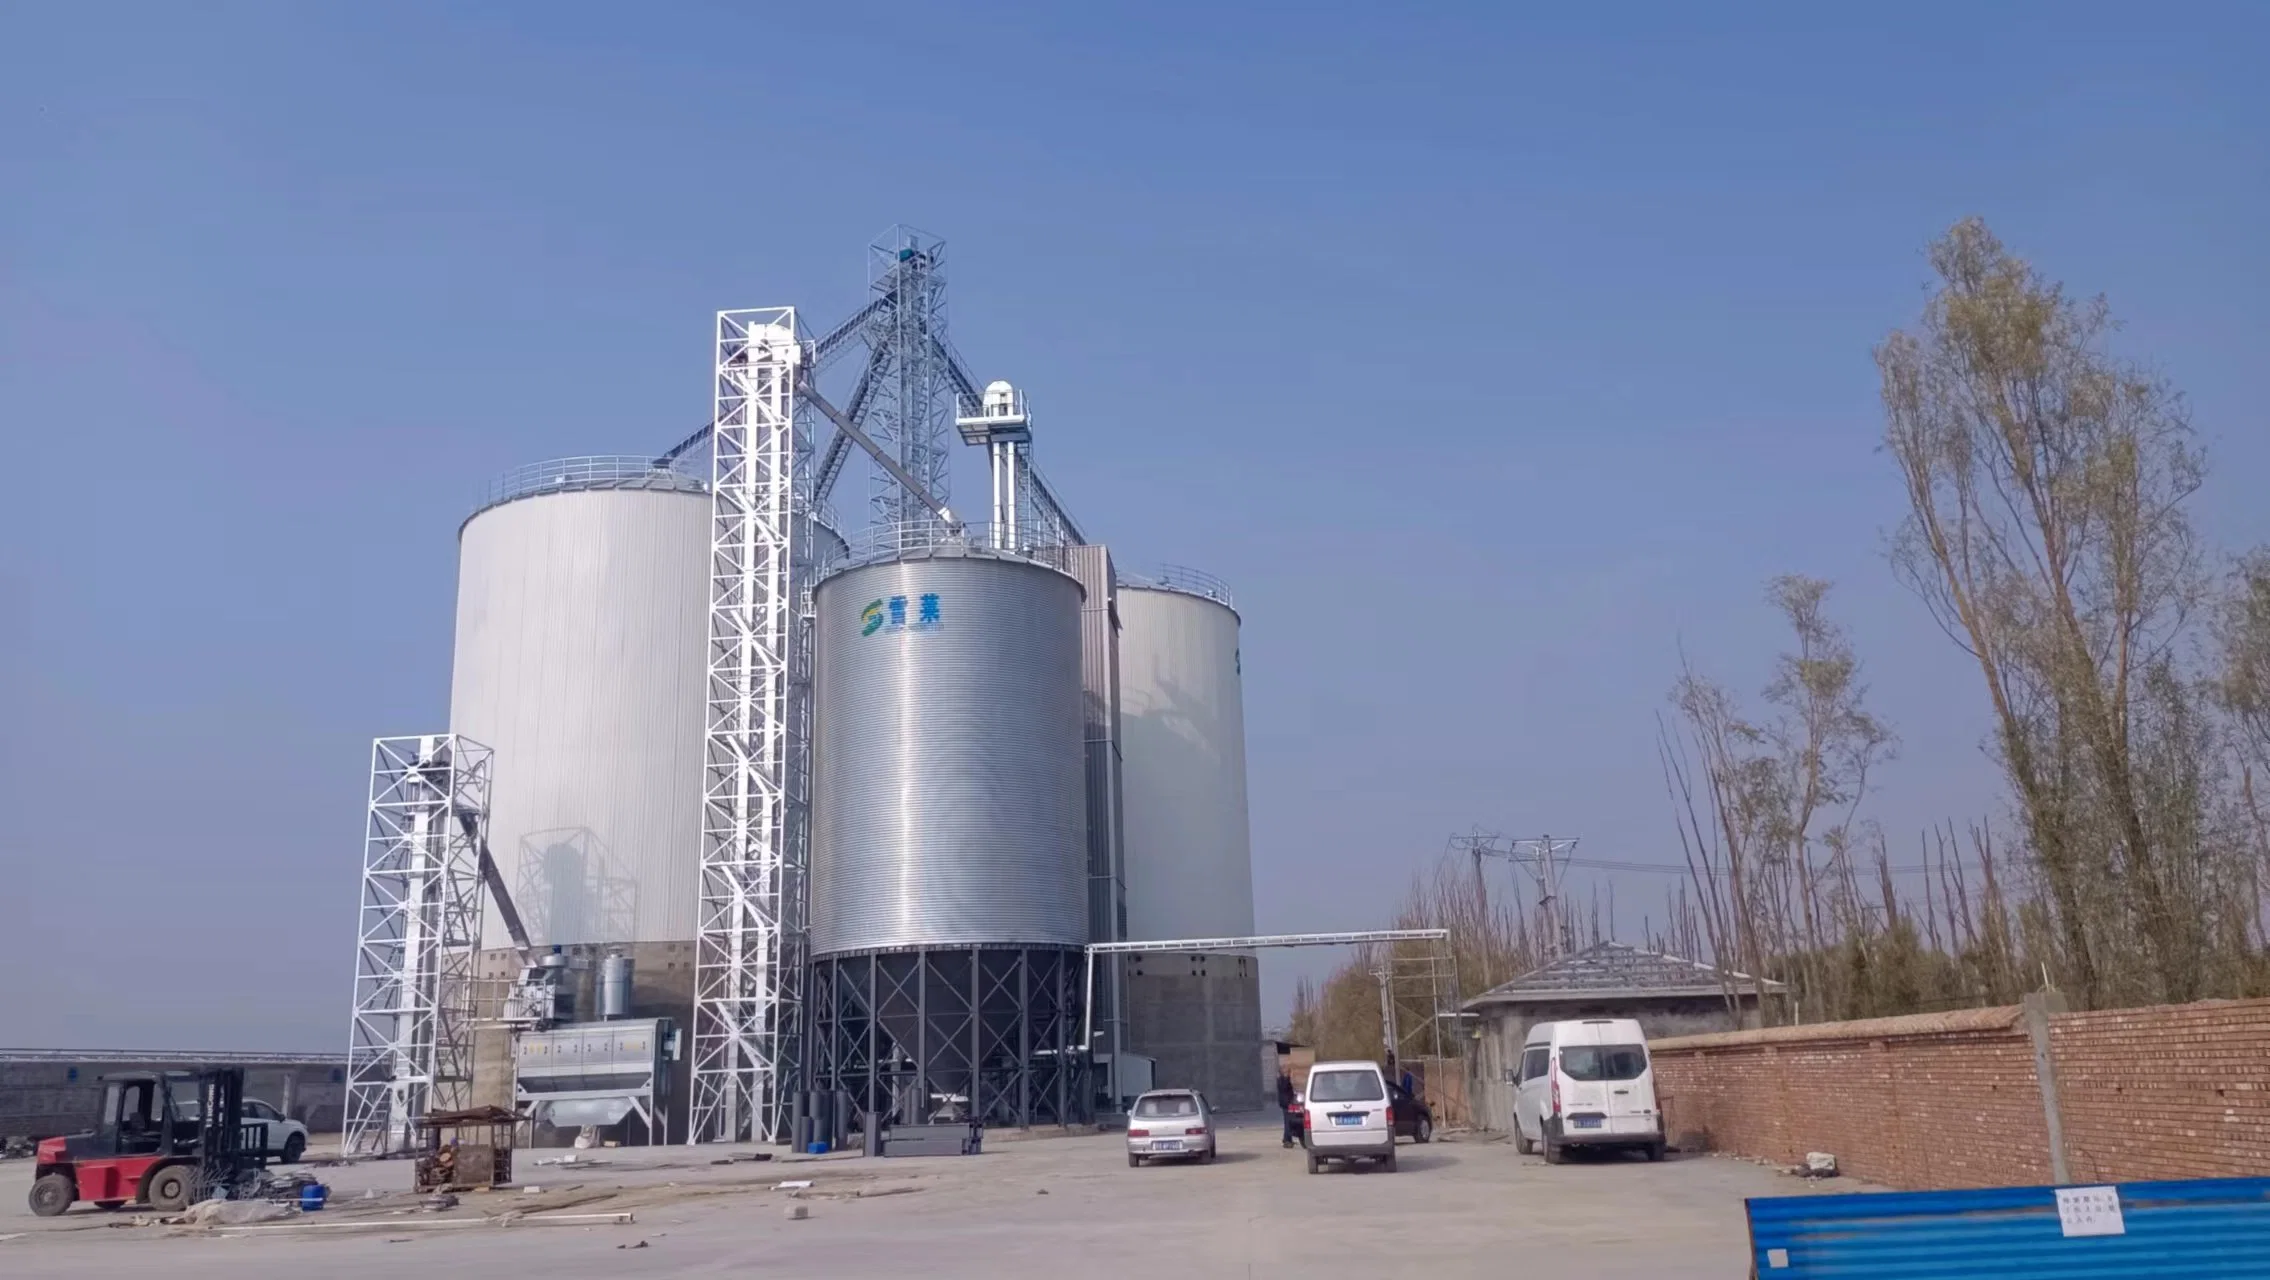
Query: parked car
(286, 1137)
(1347, 1115)
(1586, 1084)
(1174, 1123)
(282, 1137)
(1413, 1119)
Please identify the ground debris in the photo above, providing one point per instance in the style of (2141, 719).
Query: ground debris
(640, 1245)
(231, 1213)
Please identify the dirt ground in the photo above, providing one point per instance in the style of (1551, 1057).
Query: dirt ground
(1040, 1207)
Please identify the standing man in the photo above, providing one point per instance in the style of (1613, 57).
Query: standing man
(1285, 1104)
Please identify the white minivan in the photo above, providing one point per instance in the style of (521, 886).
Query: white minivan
(1586, 1084)
(1349, 1115)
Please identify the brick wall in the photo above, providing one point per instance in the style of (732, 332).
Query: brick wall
(2179, 1091)
(1951, 1100)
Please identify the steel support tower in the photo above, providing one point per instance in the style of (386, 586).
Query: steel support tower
(749, 952)
(409, 1048)
(910, 397)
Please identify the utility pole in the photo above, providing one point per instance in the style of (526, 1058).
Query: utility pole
(1540, 856)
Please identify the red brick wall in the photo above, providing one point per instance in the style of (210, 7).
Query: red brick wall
(2179, 1091)
(1942, 1110)
(2170, 1092)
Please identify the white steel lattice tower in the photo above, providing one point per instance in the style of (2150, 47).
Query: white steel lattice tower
(912, 399)
(749, 952)
(409, 1049)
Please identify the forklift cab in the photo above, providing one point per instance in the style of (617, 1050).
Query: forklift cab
(144, 1113)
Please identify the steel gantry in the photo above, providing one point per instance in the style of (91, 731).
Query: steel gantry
(409, 1045)
(749, 948)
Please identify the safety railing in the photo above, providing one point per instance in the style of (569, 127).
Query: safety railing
(606, 471)
(877, 543)
(1176, 577)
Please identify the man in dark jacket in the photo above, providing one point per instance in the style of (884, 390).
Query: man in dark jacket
(1285, 1104)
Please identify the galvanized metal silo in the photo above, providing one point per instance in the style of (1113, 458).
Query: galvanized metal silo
(1189, 861)
(949, 841)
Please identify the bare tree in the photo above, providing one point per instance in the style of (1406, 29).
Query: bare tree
(2046, 483)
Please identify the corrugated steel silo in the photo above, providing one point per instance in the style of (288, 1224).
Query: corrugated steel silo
(947, 793)
(1189, 861)
(949, 836)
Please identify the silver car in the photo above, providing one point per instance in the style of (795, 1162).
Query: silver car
(1170, 1123)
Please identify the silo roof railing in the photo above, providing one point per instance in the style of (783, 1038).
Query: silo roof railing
(1183, 578)
(880, 542)
(604, 471)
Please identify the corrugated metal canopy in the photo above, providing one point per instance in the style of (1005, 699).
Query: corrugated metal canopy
(1611, 971)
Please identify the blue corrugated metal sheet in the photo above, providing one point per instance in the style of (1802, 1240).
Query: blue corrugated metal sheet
(2208, 1228)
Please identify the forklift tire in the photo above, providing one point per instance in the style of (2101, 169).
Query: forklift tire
(294, 1147)
(171, 1189)
(53, 1193)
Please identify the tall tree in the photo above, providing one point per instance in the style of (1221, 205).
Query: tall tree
(2046, 482)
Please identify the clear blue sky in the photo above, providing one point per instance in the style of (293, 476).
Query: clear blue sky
(1493, 357)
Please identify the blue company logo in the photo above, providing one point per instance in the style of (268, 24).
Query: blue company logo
(890, 615)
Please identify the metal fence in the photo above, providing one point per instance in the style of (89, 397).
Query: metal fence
(601, 471)
(1183, 578)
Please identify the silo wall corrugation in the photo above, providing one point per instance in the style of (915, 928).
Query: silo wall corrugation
(1188, 852)
(581, 652)
(948, 801)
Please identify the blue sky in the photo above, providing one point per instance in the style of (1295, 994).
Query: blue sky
(1494, 356)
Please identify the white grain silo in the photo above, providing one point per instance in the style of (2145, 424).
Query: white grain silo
(1188, 861)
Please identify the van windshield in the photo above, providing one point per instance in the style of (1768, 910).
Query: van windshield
(1344, 1086)
(1590, 1062)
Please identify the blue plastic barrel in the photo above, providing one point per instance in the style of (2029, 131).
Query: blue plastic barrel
(313, 1195)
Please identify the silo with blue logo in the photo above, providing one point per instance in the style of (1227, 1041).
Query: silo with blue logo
(949, 861)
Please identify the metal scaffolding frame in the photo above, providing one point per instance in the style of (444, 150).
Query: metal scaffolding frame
(409, 1046)
(906, 395)
(981, 1033)
(749, 949)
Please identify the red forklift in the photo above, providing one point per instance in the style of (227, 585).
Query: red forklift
(165, 1139)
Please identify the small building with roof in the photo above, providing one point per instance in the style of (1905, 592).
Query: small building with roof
(1667, 995)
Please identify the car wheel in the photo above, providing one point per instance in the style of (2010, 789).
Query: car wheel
(1521, 1142)
(1554, 1154)
(52, 1193)
(170, 1189)
(1315, 1163)
(295, 1147)
(1425, 1133)
(1654, 1153)
(1134, 1161)
(1388, 1164)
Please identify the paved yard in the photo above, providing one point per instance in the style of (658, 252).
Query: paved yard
(1044, 1207)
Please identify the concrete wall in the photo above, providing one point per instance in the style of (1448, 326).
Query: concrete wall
(662, 986)
(1199, 1016)
(46, 1097)
(1952, 1100)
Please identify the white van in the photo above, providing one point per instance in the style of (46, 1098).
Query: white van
(1348, 1115)
(1586, 1084)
